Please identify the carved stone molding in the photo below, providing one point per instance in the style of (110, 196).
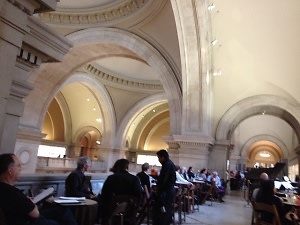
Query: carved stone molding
(114, 79)
(126, 9)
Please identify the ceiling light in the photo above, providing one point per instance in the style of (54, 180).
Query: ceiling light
(99, 120)
(264, 154)
(87, 99)
(94, 108)
(153, 110)
(98, 142)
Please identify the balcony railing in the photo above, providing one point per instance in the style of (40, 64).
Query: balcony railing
(54, 165)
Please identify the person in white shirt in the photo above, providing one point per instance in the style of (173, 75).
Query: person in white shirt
(180, 179)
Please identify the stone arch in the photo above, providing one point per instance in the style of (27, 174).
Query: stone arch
(91, 133)
(92, 44)
(275, 140)
(139, 107)
(104, 101)
(83, 130)
(278, 106)
(171, 84)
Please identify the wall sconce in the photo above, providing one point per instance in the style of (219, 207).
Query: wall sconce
(214, 42)
(211, 7)
(217, 72)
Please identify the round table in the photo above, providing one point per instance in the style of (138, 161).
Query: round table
(85, 212)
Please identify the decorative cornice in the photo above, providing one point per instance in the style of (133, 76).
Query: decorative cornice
(51, 46)
(108, 15)
(108, 78)
(37, 6)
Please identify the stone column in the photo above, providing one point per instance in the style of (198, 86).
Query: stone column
(24, 43)
(12, 29)
(218, 158)
(191, 151)
(193, 27)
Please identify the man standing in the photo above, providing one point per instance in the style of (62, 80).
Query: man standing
(76, 185)
(17, 208)
(165, 195)
(145, 179)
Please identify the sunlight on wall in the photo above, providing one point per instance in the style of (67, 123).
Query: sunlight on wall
(293, 171)
(152, 160)
(51, 151)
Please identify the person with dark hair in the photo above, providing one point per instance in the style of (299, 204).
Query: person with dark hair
(18, 209)
(203, 174)
(165, 193)
(76, 184)
(120, 183)
(190, 173)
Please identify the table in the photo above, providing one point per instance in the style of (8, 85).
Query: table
(85, 212)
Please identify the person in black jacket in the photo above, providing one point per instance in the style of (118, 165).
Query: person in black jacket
(145, 179)
(120, 183)
(165, 192)
(76, 184)
(19, 209)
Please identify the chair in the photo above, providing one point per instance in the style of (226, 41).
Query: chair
(124, 210)
(179, 205)
(118, 213)
(207, 194)
(2, 218)
(259, 208)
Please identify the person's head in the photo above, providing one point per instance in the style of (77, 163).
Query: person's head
(267, 187)
(190, 169)
(264, 176)
(178, 169)
(145, 167)
(83, 163)
(162, 155)
(204, 170)
(121, 165)
(10, 168)
(214, 174)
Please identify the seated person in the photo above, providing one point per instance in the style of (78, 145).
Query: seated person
(75, 184)
(203, 174)
(266, 194)
(181, 180)
(220, 190)
(19, 209)
(262, 177)
(190, 173)
(120, 183)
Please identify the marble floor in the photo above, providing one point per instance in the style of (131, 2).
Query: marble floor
(234, 211)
